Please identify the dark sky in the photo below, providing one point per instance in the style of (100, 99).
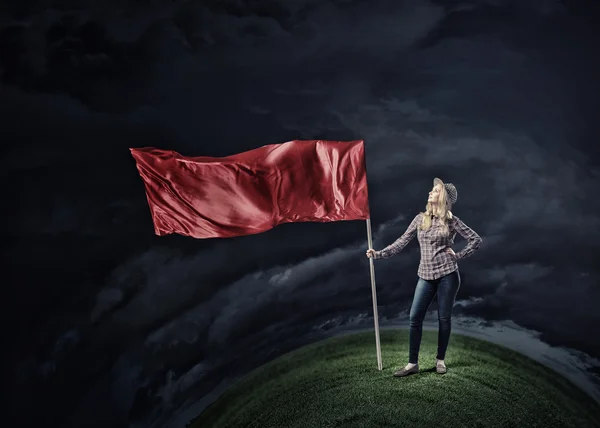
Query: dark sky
(109, 325)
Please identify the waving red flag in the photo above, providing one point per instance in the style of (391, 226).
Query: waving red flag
(254, 191)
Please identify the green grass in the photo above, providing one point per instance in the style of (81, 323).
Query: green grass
(335, 383)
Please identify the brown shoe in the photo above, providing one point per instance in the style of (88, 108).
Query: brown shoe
(440, 369)
(404, 372)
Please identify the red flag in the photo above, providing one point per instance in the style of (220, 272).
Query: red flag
(254, 191)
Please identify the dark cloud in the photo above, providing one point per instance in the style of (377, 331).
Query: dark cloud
(495, 96)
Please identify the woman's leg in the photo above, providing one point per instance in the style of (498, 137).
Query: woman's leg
(424, 294)
(447, 290)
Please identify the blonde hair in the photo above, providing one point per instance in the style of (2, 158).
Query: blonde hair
(440, 210)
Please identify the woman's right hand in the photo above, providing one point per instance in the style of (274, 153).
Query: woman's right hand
(371, 253)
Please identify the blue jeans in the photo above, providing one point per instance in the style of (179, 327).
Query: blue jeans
(446, 288)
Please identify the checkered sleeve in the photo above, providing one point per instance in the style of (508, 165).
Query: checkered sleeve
(473, 239)
(401, 242)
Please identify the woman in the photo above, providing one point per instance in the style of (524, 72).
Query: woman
(438, 269)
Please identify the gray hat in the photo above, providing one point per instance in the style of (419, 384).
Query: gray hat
(450, 190)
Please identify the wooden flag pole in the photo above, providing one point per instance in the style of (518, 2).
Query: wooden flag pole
(374, 294)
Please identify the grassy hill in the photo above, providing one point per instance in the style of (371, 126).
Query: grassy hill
(335, 383)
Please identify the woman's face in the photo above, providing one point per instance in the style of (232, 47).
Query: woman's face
(434, 195)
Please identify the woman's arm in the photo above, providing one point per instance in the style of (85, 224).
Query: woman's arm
(473, 239)
(401, 242)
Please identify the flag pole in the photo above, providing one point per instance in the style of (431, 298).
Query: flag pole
(374, 294)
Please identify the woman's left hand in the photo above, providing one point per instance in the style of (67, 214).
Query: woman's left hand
(451, 251)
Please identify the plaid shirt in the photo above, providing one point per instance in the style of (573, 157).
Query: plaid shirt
(436, 259)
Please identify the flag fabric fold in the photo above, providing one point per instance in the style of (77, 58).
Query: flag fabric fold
(254, 191)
